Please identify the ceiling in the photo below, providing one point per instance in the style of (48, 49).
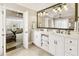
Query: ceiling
(36, 6)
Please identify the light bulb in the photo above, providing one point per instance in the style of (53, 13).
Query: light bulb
(41, 14)
(44, 13)
(38, 14)
(59, 9)
(55, 10)
(65, 7)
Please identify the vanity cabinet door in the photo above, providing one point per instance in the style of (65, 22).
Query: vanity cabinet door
(52, 44)
(45, 46)
(70, 47)
(56, 45)
(45, 42)
(60, 46)
(37, 38)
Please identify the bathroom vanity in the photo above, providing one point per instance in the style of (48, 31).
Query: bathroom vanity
(62, 42)
(57, 44)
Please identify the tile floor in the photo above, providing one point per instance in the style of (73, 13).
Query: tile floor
(32, 51)
(12, 44)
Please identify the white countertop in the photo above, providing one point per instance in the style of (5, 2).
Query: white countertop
(75, 36)
(72, 35)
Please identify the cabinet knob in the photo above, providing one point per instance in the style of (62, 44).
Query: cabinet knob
(70, 49)
(55, 42)
(70, 41)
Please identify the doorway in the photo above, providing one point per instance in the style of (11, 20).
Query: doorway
(14, 30)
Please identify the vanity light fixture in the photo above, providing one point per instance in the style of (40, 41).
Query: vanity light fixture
(55, 10)
(60, 7)
(46, 13)
(43, 13)
(40, 14)
(65, 7)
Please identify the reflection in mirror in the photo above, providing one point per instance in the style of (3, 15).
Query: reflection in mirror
(59, 16)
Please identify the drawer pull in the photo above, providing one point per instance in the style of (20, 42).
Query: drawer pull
(70, 49)
(70, 41)
(55, 42)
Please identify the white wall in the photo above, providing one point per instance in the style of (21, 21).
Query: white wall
(14, 7)
(32, 18)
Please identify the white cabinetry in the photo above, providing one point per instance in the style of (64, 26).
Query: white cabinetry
(45, 42)
(70, 46)
(52, 44)
(56, 45)
(60, 45)
(37, 38)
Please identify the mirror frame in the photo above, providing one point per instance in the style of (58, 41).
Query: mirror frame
(76, 17)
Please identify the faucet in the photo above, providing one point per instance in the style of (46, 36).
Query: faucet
(58, 31)
(68, 32)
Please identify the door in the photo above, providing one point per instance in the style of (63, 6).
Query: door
(52, 43)
(60, 45)
(1, 32)
(25, 32)
(56, 45)
(37, 38)
(45, 42)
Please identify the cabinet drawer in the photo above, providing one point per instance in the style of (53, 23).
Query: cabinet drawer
(70, 42)
(70, 47)
(70, 54)
(71, 50)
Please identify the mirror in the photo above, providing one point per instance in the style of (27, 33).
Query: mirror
(61, 16)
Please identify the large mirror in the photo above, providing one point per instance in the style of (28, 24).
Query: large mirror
(61, 15)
